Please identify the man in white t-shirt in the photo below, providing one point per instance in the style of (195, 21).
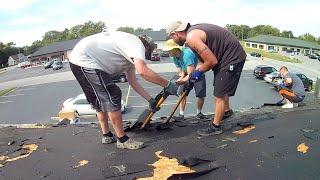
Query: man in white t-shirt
(95, 59)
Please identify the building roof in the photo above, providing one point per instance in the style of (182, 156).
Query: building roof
(155, 35)
(56, 47)
(283, 41)
(16, 57)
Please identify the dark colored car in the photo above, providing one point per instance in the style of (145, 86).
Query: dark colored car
(307, 83)
(261, 70)
(164, 54)
(255, 54)
(289, 50)
(120, 78)
(319, 58)
(155, 56)
(313, 56)
(48, 64)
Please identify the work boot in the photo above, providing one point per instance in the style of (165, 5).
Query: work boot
(130, 144)
(108, 140)
(211, 130)
(200, 116)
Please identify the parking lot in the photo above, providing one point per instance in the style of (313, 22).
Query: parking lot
(41, 103)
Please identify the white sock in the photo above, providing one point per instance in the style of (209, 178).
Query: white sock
(181, 112)
(198, 111)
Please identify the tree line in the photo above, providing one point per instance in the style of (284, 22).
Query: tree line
(89, 28)
(244, 32)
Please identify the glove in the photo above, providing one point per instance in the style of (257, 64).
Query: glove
(189, 86)
(195, 75)
(282, 85)
(172, 88)
(280, 102)
(153, 105)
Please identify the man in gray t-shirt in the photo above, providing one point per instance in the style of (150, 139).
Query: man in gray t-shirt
(292, 88)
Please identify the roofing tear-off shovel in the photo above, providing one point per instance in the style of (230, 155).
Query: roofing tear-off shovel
(185, 93)
(147, 114)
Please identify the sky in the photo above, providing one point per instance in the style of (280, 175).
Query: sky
(25, 21)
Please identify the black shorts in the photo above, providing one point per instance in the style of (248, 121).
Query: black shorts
(101, 92)
(226, 81)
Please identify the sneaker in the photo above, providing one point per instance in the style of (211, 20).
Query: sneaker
(130, 144)
(228, 114)
(288, 106)
(211, 130)
(200, 116)
(108, 140)
(295, 104)
(181, 117)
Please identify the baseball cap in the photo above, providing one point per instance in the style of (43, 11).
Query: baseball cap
(148, 39)
(170, 44)
(176, 26)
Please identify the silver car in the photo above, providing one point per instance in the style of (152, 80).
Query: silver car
(57, 65)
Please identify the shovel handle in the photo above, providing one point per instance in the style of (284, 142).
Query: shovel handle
(184, 94)
(152, 113)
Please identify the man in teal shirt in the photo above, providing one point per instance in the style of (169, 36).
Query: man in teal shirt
(186, 62)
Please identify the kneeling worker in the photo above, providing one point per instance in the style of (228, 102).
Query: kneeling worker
(292, 88)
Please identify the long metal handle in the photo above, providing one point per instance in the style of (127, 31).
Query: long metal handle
(152, 113)
(184, 94)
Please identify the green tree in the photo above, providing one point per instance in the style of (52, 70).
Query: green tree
(7, 50)
(307, 37)
(126, 29)
(139, 29)
(287, 34)
(149, 29)
(241, 32)
(52, 37)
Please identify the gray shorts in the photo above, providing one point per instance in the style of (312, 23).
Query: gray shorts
(200, 87)
(101, 92)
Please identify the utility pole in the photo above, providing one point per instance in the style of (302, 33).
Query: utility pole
(242, 33)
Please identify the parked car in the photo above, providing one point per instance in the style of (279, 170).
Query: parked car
(261, 70)
(289, 51)
(319, 58)
(273, 51)
(313, 56)
(48, 65)
(307, 83)
(255, 54)
(81, 105)
(155, 56)
(273, 77)
(57, 65)
(164, 54)
(119, 78)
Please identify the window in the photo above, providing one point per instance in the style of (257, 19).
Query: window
(271, 48)
(284, 48)
(81, 101)
(261, 46)
(303, 76)
(254, 45)
(247, 44)
(298, 50)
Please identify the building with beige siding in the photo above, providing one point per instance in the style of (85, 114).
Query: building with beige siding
(281, 44)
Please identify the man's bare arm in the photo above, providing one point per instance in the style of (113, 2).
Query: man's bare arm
(195, 40)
